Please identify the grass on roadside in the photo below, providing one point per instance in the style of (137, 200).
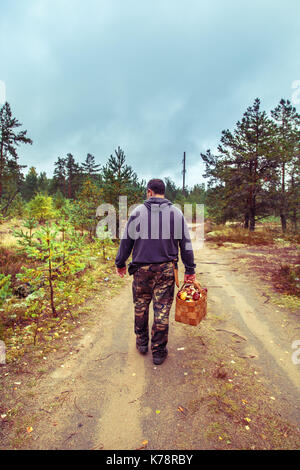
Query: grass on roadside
(233, 408)
(264, 234)
(222, 234)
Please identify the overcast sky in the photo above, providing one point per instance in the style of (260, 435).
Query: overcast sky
(156, 77)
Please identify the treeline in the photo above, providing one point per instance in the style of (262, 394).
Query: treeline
(76, 187)
(71, 178)
(254, 174)
(79, 187)
(256, 171)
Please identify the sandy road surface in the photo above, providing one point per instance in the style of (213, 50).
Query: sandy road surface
(240, 302)
(108, 396)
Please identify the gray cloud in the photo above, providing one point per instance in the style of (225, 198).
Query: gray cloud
(155, 77)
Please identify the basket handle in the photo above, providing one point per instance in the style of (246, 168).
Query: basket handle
(196, 284)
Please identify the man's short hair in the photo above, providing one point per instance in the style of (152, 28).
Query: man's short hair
(157, 186)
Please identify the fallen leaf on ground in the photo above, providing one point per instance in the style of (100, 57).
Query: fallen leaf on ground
(182, 410)
(29, 429)
(143, 446)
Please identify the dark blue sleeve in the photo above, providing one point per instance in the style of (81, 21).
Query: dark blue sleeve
(125, 248)
(186, 250)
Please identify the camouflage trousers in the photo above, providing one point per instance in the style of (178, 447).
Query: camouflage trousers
(153, 282)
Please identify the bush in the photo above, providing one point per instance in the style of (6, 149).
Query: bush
(290, 278)
(41, 208)
(5, 290)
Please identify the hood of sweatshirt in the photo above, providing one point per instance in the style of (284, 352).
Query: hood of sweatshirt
(156, 202)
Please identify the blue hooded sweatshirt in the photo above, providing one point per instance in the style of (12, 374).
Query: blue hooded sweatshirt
(153, 233)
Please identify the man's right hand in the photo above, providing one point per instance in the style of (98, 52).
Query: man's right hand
(121, 271)
(189, 277)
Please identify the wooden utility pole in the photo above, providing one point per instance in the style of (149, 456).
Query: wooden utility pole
(183, 172)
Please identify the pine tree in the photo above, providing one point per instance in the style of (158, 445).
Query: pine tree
(73, 174)
(88, 199)
(288, 121)
(59, 200)
(41, 208)
(245, 163)
(119, 179)
(30, 185)
(13, 181)
(294, 189)
(26, 237)
(10, 139)
(197, 194)
(222, 195)
(172, 191)
(17, 208)
(89, 167)
(59, 176)
(57, 258)
(43, 182)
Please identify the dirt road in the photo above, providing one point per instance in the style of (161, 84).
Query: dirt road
(240, 302)
(105, 395)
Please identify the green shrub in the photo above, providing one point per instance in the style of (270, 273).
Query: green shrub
(41, 208)
(5, 290)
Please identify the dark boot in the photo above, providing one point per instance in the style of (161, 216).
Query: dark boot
(159, 357)
(142, 349)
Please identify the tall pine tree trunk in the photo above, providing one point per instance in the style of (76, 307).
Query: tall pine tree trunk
(283, 221)
(252, 221)
(246, 220)
(69, 187)
(251, 205)
(283, 204)
(252, 213)
(294, 210)
(294, 219)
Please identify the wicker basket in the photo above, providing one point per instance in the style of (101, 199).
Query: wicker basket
(193, 312)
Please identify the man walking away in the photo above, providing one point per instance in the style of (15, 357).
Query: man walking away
(153, 234)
